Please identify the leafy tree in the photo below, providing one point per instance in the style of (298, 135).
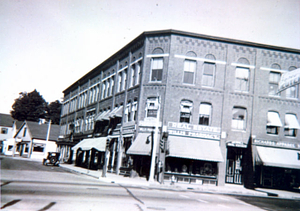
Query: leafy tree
(53, 112)
(29, 106)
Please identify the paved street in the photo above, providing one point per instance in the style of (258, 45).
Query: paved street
(28, 185)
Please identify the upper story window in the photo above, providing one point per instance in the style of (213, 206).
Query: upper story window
(239, 115)
(112, 83)
(273, 123)
(128, 112)
(291, 125)
(208, 77)
(4, 130)
(103, 91)
(242, 79)
(209, 69)
(186, 107)
(152, 107)
(274, 78)
(124, 80)
(205, 114)
(132, 75)
(189, 71)
(157, 69)
(134, 110)
(292, 92)
(119, 81)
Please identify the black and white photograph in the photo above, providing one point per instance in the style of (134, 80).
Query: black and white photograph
(150, 105)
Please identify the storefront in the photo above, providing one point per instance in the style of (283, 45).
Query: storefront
(277, 164)
(90, 153)
(192, 154)
(140, 153)
(234, 162)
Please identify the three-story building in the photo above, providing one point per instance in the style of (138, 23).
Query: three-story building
(206, 107)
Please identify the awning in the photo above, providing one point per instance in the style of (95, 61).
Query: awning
(103, 116)
(140, 146)
(276, 157)
(194, 148)
(291, 121)
(117, 112)
(273, 119)
(87, 144)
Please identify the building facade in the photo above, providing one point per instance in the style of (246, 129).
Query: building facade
(206, 107)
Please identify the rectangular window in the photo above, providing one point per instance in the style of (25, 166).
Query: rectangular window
(239, 118)
(208, 74)
(134, 110)
(291, 125)
(186, 111)
(157, 68)
(241, 79)
(274, 79)
(112, 81)
(273, 123)
(204, 114)
(4, 130)
(124, 80)
(103, 90)
(132, 76)
(189, 71)
(137, 73)
(119, 81)
(152, 107)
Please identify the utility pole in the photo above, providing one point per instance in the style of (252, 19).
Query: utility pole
(154, 145)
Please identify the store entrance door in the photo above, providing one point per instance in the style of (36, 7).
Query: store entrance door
(234, 165)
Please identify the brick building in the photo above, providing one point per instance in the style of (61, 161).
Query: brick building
(210, 104)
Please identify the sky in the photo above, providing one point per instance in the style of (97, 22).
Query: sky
(47, 45)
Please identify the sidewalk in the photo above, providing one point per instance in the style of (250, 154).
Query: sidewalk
(229, 189)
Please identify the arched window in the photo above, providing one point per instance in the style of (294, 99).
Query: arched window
(209, 68)
(157, 65)
(242, 75)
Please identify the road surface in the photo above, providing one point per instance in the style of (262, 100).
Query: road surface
(28, 185)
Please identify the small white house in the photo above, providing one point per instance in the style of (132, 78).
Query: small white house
(8, 128)
(35, 140)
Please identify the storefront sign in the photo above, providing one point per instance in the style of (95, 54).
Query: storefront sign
(276, 144)
(183, 129)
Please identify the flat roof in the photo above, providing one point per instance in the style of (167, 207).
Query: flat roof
(181, 33)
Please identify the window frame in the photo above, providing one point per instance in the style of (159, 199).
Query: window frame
(238, 81)
(237, 123)
(212, 76)
(202, 115)
(186, 70)
(159, 71)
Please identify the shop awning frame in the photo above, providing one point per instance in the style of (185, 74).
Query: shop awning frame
(277, 157)
(195, 148)
(87, 144)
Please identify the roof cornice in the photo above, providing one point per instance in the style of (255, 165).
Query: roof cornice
(169, 32)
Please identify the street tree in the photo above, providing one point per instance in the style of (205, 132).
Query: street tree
(29, 106)
(53, 112)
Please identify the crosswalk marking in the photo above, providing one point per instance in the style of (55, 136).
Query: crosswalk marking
(184, 196)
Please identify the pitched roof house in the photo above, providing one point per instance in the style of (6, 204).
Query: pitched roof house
(8, 128)
(34, 139)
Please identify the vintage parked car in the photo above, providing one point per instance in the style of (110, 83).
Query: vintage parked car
(52, 159)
